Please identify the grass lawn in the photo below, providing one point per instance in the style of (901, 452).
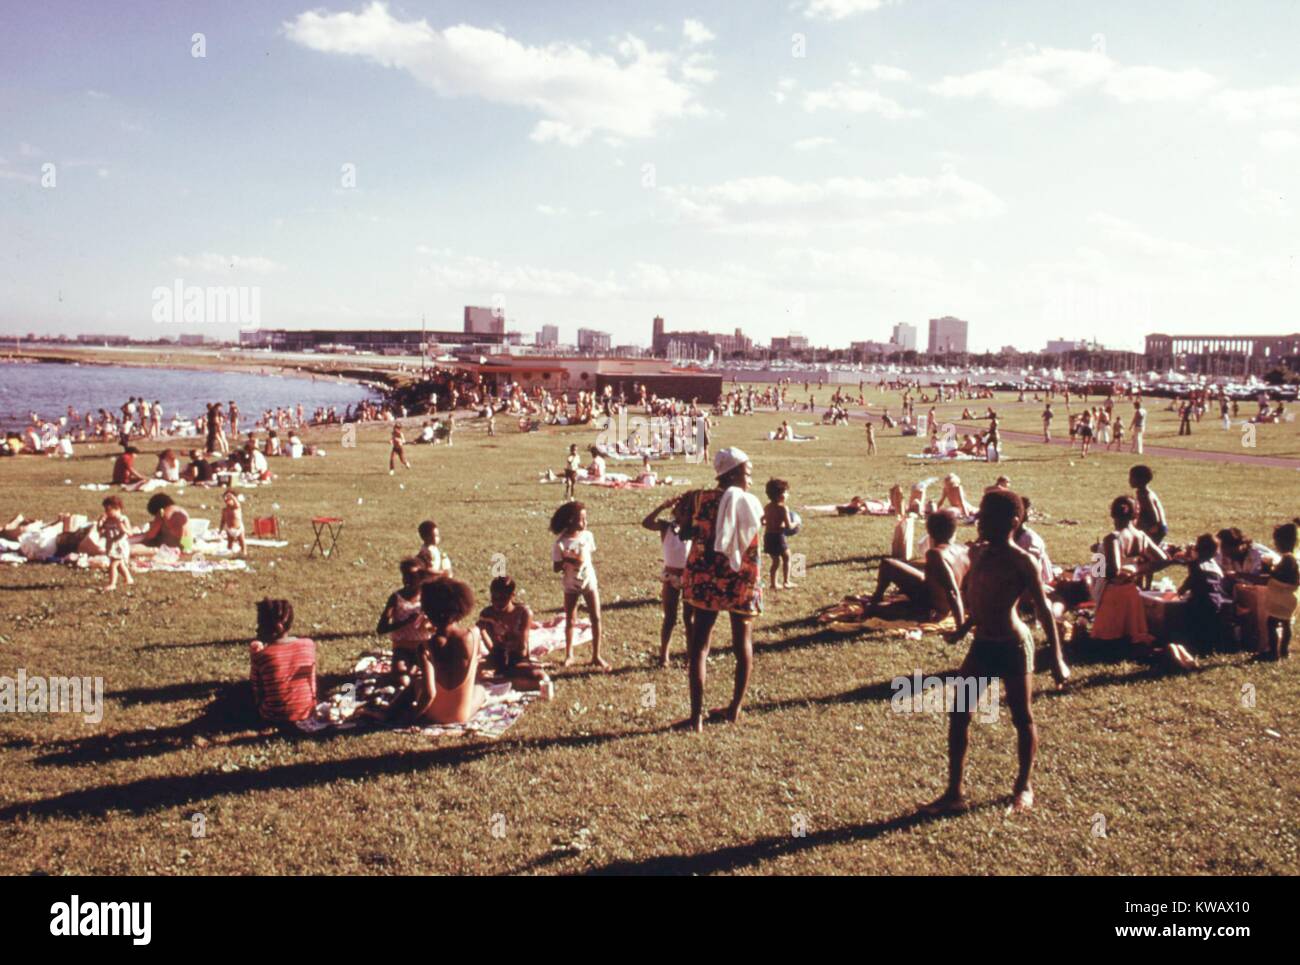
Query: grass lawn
(1187, 778)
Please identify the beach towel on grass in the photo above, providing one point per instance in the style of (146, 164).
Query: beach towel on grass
(342, 709)
(849, 616)
(949, 457)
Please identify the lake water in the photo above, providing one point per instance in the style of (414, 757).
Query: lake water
(49, 388)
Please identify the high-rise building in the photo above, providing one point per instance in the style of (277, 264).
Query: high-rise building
(904, 337)
(490, 321)
(948, 335)
(592, 341)
(1063, 346)
(697, 345)
(549, 336)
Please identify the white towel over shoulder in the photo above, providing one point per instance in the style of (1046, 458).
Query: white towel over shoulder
(740, 517)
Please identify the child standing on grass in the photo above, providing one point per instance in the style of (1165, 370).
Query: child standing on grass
(1282, 593)
(675, 550)
(505, 626)
(399, 449)
(232, 522)
(776, 522)
(115, 530)
(571, 557)
(430, 551)
(871, 438)
(1151, 512)
(572, 462)
(283, 668)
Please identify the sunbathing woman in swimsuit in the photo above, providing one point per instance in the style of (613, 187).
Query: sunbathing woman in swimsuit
(447, 692)
(932, 588)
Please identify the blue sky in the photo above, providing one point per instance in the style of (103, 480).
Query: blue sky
(823, 166)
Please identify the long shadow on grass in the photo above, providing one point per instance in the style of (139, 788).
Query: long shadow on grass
(737, 856)
(230, 720)
(318, 637)
(159, 793)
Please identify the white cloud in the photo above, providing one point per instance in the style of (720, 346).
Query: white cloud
(551, 211)
(774, 205)
(471, 274)
(574, 90)
(813, 143)
(1275, 104)
(1043, 77)
(695, 32)
(216, 264)
(890, 75)
(1279, 140)
(846, 97)
(841, 9)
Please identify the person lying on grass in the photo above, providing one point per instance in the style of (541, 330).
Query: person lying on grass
(1000, 574)
(170, 526)
(932, 589)
(505, 626)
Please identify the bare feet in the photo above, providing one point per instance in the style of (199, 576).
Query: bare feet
(694, 725)
(663, 660)
(600, 664)
(570, 660)
(1022, 802)
(949, 803)
(789, 585)
(727, 715)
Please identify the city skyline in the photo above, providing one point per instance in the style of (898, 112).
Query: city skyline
(833, 168)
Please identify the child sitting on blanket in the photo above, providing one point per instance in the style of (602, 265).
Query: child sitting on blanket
(114, 530)
(505, 626)
(232, 522)
(571, 557)
(777, 523)
(430, 552)
(283, 668)
(402, 617)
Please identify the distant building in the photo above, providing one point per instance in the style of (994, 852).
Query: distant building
(1222, 354)
(948, 335)
(191, 340)
(904, 337)
(696, 345)
(789, 344)
(484, 321)
(593, 342)
(548, 337)
(1063, 346)
(383, 341)
(864, 349)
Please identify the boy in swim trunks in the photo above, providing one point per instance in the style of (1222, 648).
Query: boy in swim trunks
(505, 625)
(1000, 574)
(776, 520)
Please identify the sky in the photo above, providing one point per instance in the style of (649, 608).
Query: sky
(828, 167)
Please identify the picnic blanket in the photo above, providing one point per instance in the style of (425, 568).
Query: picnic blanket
(953, 456)
(849, 616)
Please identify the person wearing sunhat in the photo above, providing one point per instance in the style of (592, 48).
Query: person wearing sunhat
(722, 575)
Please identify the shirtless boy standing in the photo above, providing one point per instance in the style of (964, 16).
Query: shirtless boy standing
(1000, 573)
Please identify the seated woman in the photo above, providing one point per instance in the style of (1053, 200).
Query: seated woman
(124, 471)
(295, 445)
(169, 467)
(955, 496)
(1127, 554)
(596, 468)
(272, 445)
(648, 476)
(447, 691)
(933, 588)
(782, 432)
(1209, 605)
(1242, 559)
(170, 526)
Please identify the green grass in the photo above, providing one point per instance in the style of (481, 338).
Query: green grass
(1186, 777)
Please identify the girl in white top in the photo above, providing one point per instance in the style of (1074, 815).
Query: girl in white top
(675, 550)
(571, 557)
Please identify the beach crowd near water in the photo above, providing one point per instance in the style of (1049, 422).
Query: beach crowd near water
(997, 583)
